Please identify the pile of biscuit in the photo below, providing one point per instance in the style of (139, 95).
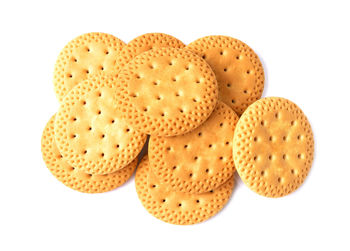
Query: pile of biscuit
(199, 107)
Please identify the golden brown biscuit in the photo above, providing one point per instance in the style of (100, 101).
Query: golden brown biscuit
(238, 70)
(144, 43)
(87, 54)
(273, 147)
(90, 132)
(200, 160)
(74, 178)
(177, 207)
(166, 91)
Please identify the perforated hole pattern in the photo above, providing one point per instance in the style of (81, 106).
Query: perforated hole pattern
(287, 166)
(165, 125)
(113, 47)
(101, 165)
(203, 157)
(176, 207)
(71, 176)
(144, 43)
(241, 102)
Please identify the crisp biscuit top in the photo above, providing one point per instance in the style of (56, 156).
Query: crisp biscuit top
(88, 54)
(200, 160)
(238, 70)
(144, 43)
(176, 207)
(166, 91)
(73, 177)
(89, 130)
(273, 147)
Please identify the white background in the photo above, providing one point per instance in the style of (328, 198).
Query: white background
(304, 47)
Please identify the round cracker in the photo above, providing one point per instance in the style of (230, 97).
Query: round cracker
(144, 43)
(176, 207)
(166, 91)
(200, 160)
(87, 54)
(90, 132)
(273, 147)
(238, 70)
(73, 177)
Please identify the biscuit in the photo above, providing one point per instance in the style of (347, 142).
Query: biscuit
(74, 178)
(85, 55)
(200, 160)
(273, 147)
(144, 43)
(89, 130)
(177, 207)
(166, 91)
(238, 70)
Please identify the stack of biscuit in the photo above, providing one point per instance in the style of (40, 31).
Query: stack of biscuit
(200, 107)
